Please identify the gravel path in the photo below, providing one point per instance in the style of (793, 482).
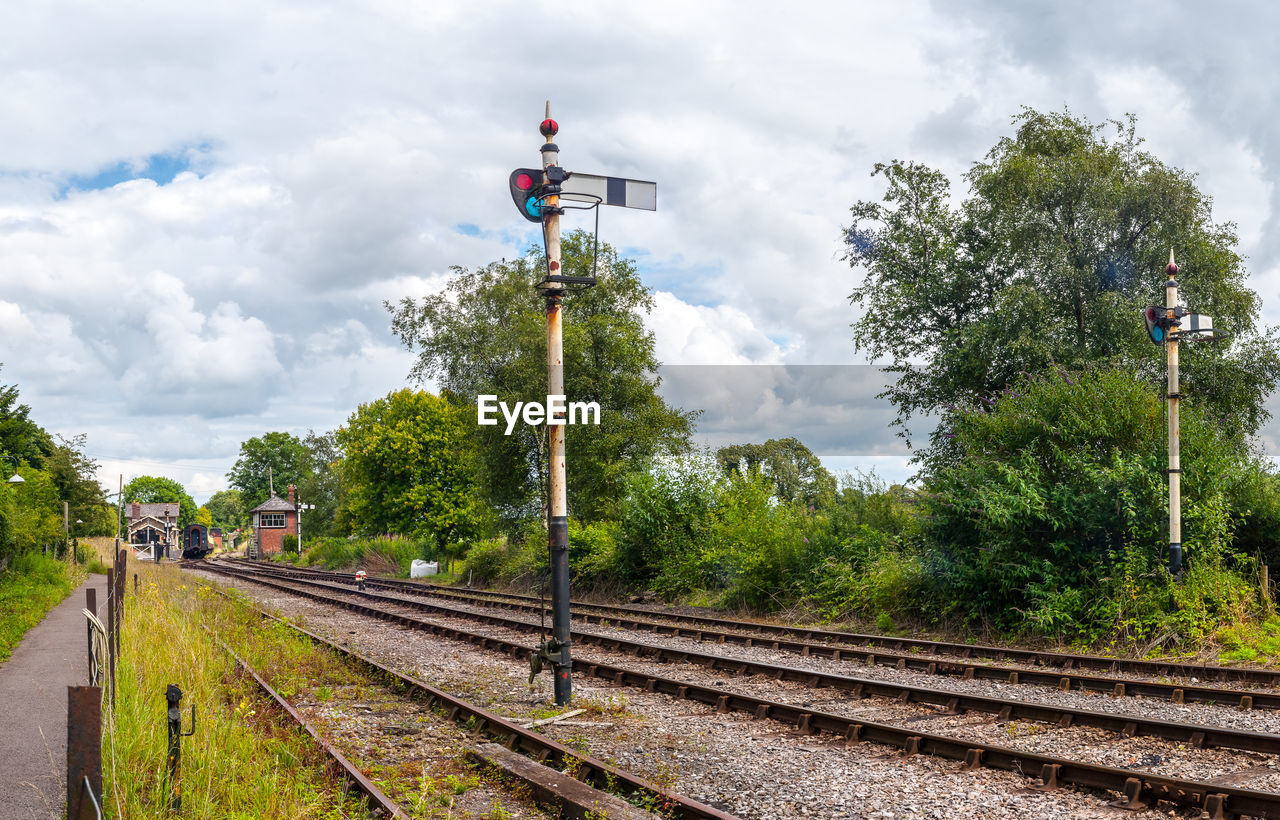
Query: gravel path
(756, 769)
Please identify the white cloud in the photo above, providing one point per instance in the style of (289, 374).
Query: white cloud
(343, 156)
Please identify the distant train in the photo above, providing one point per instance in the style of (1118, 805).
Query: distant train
(195, 541)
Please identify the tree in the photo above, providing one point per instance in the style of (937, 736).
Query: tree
(226, 508)
(75, 478)
(410, 470)
(488, 336)
(203, 516)
(20, 437)
(321, 483)
(1063, 239)
(795, 471)
(1047, 508)
(275, 459)
(147, 489)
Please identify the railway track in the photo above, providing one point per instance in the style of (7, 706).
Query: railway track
(1178, 693)
(825, 641)
(1138, 788)
(590, 772)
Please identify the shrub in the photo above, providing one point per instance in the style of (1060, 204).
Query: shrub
(1047, 508)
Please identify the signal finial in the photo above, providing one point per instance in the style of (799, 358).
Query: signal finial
(1172, 269)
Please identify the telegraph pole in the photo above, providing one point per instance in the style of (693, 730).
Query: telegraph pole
(557, 499)
(1175, 464)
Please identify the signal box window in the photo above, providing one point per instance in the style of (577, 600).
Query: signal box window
(272, 520)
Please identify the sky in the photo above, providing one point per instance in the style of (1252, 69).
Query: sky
(204, 206)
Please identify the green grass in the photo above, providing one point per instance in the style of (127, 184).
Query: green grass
(245, 760)
(32, 585)
(1251, 641)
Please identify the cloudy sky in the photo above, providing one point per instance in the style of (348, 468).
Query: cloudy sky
(202, 206)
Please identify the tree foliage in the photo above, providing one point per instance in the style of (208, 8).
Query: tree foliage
(1062, 240)
(1045, 504)
(273, 459)
(410, 470)
(797, 474)
(147, 489)
(321, 484)
(488, 336)
(227, 510)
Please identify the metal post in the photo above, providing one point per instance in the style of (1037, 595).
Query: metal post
(557, 501)
(173, 696)
(1175, 463)
(84, 750)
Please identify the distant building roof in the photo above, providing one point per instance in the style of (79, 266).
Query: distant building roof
(167, 509)
(274, 504)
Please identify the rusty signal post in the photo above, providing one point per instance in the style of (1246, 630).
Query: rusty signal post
(540, 196)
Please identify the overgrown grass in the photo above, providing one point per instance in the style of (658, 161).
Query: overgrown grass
(383, 555)
(31, 586)
(244, 760)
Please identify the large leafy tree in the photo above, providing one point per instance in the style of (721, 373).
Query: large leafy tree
(410, 470)
(796, 473)
(321, 484)
(149, 489)
(20, 437)
(227, 509)
(488, 336)
(1062, 240)
(273, 459)
(74, 475)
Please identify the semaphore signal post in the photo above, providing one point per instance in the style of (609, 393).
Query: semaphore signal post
(1166, 326)
(540, 196)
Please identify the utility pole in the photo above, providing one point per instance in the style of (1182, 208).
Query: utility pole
(1172, 316)
(557, 499)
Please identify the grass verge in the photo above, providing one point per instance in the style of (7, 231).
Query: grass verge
(31, 586)
(244, 760)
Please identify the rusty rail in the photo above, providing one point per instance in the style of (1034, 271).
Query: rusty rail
(1138, 790)
(1057, 660)
(928, 664)
(362, 783)
(589, 770)
(1197, 735)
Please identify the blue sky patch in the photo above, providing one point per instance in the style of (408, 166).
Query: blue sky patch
(160, 168)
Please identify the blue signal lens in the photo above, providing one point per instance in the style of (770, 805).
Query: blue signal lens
(1157, 333)
(533, 207)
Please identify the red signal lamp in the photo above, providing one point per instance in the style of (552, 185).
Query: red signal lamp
(526, 190)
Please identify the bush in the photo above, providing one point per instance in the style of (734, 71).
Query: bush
(289, 543)
(388, 554)
(1046, 509)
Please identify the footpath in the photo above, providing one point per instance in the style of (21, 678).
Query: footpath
(33, 708)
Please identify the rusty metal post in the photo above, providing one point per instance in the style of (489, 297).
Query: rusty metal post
(1175, 462)
(557, 500)
(173, 696)
(84, 749)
